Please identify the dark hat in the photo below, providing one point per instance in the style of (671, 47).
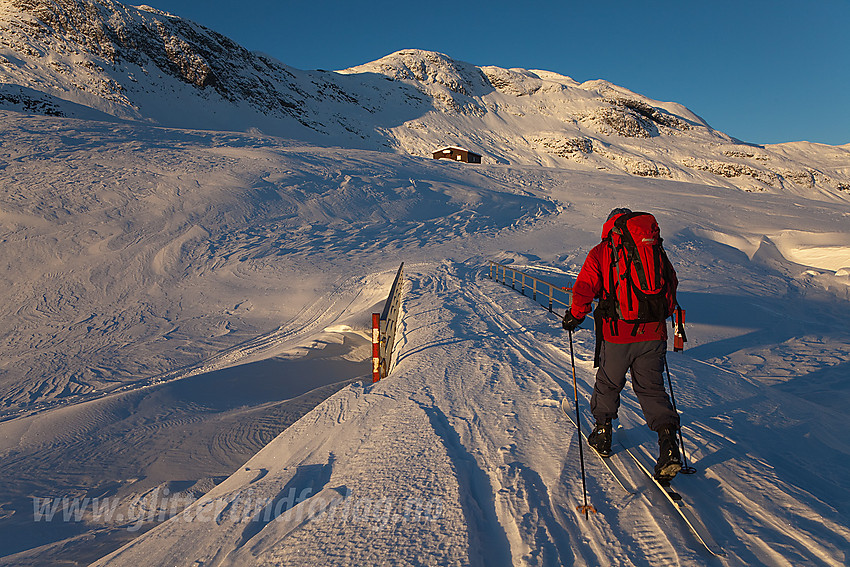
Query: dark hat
(615, 212)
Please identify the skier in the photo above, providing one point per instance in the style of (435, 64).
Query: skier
(621, 345)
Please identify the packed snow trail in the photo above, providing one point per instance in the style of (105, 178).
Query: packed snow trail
(462, 456)
(469, 422)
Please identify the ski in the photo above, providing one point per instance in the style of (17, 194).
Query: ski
(612, 463)
(644, 462)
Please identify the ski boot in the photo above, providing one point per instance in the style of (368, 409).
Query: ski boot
(669, 461)
(600, 438)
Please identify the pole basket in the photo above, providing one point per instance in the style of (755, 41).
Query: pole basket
(586, 508)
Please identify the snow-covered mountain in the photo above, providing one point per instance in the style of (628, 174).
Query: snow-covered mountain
(84, 57)
(192, 241)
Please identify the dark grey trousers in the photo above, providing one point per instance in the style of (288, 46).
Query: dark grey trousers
(646, 362)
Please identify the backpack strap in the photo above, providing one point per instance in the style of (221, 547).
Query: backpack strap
(606, 309)
(668, 270)
(661, 261)
(597, 325)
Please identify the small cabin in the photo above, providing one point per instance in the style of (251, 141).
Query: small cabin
(457, 154)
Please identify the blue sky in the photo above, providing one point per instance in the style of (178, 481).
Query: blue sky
(762, 71)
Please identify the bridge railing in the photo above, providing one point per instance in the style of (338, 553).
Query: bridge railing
(561, 296)
(555, 295)
(384, 326)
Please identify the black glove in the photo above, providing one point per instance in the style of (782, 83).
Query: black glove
(571, 323)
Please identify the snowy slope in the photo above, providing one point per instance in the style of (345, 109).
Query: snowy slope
(215, 252)
(81, 58)
(462, 456)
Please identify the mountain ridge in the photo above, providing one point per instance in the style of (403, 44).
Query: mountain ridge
(87, 58)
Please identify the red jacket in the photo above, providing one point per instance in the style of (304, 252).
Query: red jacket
(589, 285)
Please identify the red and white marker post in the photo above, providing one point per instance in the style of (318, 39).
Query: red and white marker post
(376, 347)
(679, 331)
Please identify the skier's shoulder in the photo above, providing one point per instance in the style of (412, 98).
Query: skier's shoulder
(597, 253)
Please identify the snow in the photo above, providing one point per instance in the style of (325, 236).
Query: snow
(821, 250)
(257, 261)
(185, 349)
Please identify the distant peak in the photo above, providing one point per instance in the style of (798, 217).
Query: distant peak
(158, 12)
(429, 67)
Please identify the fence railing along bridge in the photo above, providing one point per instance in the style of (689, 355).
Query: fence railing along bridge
(384, 326)
(562, 295)
(555, 294)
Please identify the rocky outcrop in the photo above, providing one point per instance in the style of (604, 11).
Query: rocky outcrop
(104, 38)
(564, 147)
(730, 170)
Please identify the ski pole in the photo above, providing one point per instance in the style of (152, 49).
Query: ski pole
(587, 507)
(685, 468)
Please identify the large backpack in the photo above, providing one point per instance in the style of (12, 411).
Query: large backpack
(637, 287)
